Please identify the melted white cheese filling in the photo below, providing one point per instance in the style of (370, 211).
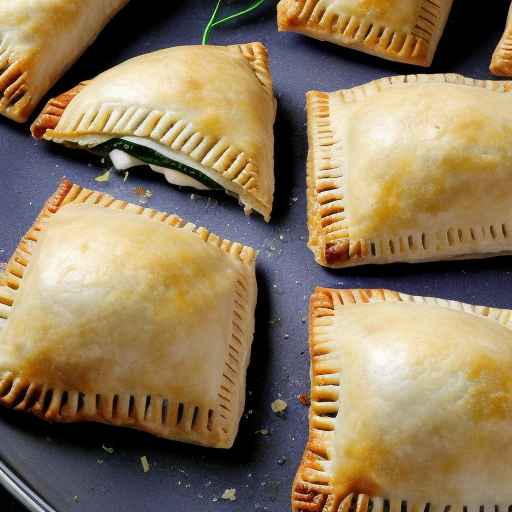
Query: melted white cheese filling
(123, 161)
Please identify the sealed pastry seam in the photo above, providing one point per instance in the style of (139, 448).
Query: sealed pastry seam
(330, 21)
(38, 43)
(327, 191)
(174, 417)
(219, 158)
(15, 97)
(501, 63)
(313, 488)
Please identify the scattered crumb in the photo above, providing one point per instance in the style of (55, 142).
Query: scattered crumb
(304, 399)
(107, 449)
(229, 494)
(76, 499)
(303, 319)
(193, 197)
(142, 193)
(103, 177)
(145, 464)
(282, 460)
(262, 432)
(99, 461)
(286, 336)
(279, 406)
(126, 174)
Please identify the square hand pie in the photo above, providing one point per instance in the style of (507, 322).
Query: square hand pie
(411, 405)
(400, 30)
(39, 41)
(411, 168)
(501, 64)
(116, 313)
(200, 115)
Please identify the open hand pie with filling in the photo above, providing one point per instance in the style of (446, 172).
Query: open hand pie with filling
(410, 168)
(201, 115)
(405, 413)
(121, 314)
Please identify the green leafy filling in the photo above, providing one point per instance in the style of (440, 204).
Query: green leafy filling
(152, 157)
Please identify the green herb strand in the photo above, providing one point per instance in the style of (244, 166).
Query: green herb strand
(211, 21)
(215, 23)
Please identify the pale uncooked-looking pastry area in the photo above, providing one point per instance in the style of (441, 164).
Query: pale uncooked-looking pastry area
(267, 273)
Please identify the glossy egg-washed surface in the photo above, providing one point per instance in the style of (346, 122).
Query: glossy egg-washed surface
(66, 463)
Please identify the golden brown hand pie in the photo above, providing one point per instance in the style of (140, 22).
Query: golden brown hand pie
(201, 115)
(411, 168)
(411, 404)
(501, 64)
(39, 40)
(116, 313)
(400, 30)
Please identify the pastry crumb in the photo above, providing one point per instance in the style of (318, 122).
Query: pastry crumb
(262, 432)
(107, 449)
(279, 406)
(282, 460)
(229, 495)
(76, 499)
(126, 174)
(99, 461)
(103, 177)
(304, 399)
(145, 464)
(143, 194)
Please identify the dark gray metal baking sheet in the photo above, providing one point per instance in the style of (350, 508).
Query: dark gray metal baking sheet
(66, 464)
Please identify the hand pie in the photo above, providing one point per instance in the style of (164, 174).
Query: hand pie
(408, 169)
(200, 115)
(400, 30)
(501, 64)
(116, 313)
(39, 41)
(404, 415)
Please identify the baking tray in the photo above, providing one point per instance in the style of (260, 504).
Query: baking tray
(66, 464)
